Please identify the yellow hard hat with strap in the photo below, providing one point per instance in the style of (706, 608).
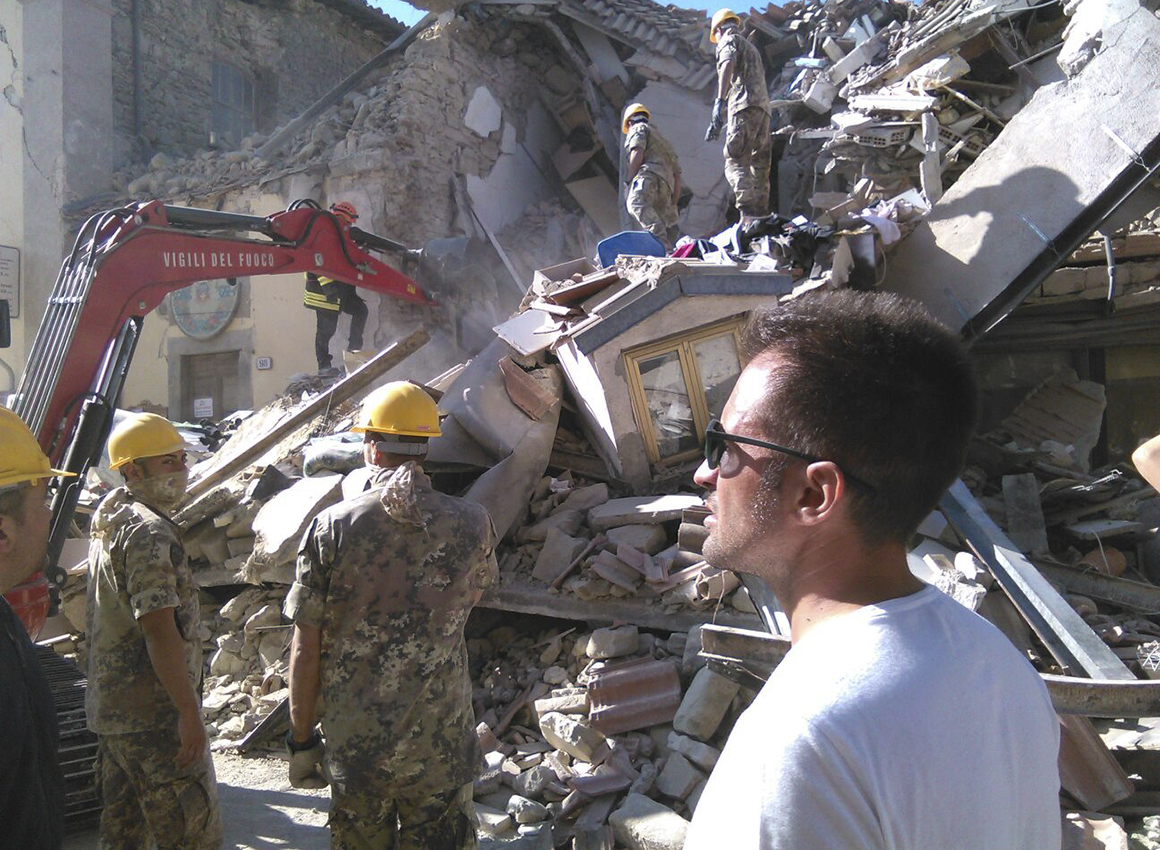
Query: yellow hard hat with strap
(399, 408)
(633, 109)
(143, 435)
(719, 18)
(21, 458)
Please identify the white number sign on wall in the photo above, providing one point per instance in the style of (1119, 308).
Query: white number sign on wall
(10, 279)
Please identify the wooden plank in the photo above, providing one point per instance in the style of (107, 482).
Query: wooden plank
(354, 383)
(1069, 639)
(1134, 595)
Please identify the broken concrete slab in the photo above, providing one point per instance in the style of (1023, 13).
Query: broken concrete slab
(644, 824)
(484, 115)
(567, 521)
(641, 510)
(281, 522)
(1022, 205)
(705, 704)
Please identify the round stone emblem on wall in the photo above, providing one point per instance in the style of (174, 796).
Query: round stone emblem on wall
(203, 309)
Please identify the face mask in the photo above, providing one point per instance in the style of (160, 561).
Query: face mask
(162, 491)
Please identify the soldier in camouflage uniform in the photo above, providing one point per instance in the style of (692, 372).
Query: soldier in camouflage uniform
(144, 654)
(654, 176)
(384, 584)
(741, 91)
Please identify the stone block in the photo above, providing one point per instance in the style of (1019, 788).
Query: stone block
(568, 522)
(1065, 282)
(613, 642)
(702, 755)
(585, 498)
(524, 810)
(226, 663)
(644, 824)
(559, 550)
(678, 778)
(705, 704)
(264, 617)
(569, 704)
(577, 739)
(532, 782)
(492, 821)
(647, 538)
(641, 510)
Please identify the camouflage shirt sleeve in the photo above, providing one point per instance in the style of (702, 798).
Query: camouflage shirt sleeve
(727, 49)
(487, 572)
(307, 596)
(152, 554)
(637, 138)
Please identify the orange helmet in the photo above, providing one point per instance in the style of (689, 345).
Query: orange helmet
(346, 210)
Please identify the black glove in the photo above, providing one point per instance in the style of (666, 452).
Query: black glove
(717, 121)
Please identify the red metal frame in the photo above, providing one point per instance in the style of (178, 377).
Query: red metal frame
(143, 258)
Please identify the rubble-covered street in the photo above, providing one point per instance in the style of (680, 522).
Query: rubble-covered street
(995, 160)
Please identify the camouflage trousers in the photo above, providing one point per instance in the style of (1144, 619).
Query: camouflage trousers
(371, 821)
(747, 152)
(145, 795)
(650, 201)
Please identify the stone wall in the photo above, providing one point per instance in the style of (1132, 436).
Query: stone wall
(294, 52)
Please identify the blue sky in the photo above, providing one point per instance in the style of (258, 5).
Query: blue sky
(408, 14)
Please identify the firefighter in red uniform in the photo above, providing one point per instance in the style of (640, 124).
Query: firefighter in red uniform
(328, 297)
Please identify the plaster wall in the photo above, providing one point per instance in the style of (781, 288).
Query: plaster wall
(12, 166)
(67, 132)
(681, 316)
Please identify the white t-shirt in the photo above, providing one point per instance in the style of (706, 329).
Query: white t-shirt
(912, 724)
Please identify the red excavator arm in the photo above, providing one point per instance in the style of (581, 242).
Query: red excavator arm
(122, 265)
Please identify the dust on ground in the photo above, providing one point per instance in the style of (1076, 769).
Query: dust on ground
(260, 811)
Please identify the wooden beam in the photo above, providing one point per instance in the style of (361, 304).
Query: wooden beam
(354, 383)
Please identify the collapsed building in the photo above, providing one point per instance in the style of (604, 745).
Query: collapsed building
(576, 392)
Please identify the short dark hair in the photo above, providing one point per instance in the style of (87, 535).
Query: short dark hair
(12, 501)
(871, 381)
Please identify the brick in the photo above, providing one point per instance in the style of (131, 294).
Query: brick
(705, 704)
(702, 755)
(558, 552)
(644, 824)
(577, 739)
(613, 642)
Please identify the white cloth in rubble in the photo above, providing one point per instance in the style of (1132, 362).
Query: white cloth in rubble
(912, 724)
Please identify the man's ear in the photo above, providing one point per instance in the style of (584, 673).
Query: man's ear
(823, 492)
(132, 472)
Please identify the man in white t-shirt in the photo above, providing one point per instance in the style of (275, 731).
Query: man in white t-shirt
(899, 720)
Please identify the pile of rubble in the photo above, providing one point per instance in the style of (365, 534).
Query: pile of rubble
(581, 541)
(877, 97)
(590, 734)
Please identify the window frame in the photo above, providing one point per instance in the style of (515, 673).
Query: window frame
(232, 110)
(684, 344)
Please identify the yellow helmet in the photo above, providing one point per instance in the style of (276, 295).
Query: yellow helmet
(633, 109)
(400, 408)
(143, 435)
(720, 17)
(21, 458)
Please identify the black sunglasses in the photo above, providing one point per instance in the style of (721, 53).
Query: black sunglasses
(716, 436)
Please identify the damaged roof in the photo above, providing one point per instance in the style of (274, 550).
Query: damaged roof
(370, 17)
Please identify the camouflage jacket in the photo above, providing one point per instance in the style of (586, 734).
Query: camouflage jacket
(389, 577)
(659, 157)
(136, 565)
(748, 86)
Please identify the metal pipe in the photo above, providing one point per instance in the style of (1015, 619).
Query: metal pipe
(216, 219)
(1110, 257)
